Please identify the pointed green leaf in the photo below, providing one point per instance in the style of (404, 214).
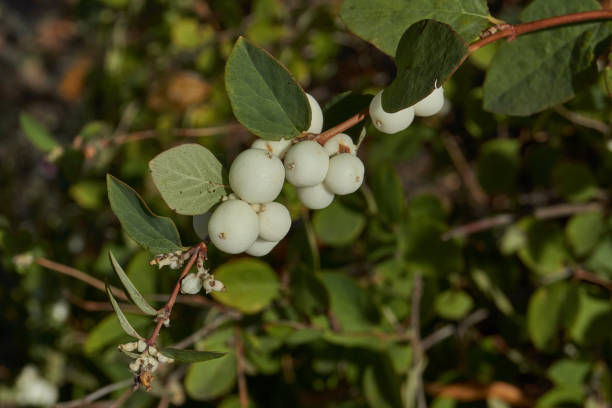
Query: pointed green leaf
(543, 69)
(125, 324)
(190, 356)
(37, 133)
(428, 53)
(382, 22)
(157, 234)
(134, 294)
(264, 96)
(189, 178)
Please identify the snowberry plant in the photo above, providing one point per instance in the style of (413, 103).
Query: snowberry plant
(236, 209)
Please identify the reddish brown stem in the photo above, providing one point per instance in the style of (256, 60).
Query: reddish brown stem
(512, 31)
(586, 276)
(168, 306)
(347, 124)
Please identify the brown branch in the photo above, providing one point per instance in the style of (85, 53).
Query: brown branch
(586, 276)
(464, 169)
(582, 120)
(544, 213)
(513, 31)
(243, 391)
(80, 275)
(450, 329)
(347, 124)
(202, 332)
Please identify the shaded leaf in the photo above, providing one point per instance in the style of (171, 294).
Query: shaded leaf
(125, 324)
(189, 178)
(498, 165)
(337, 225)
(157, 234)
(428, 53)
(343, 107)
(190, 356)
(381, 386)
(593, 319)
(574, 181)
(109, 331)
(382, 22)
(569, 372)
(211, 379)
(453, 304)
(37, 133)
(264, 96)
(545, 251)
(548, 308)
(583, 231)
(540, 70)
(132, 291)
(251, 285)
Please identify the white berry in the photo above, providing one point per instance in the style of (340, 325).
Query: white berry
(389, 122)
(191, 284)
(316, 122)
(341, 143)
(233, 226)
(306, 164)
(200, 225)
(431, 104)
(257, 176)
(274, 221)
(345, 174)
(276, 147)
(315, 197)
(261, 247)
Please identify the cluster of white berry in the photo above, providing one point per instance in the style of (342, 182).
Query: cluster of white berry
(400, 120)
(249, 220)
(194, 282)
(147, 359)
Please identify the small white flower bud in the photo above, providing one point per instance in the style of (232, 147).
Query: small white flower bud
(153, 351)
(212, 285)
(191, 284)
(128, 346)
(142, 346)
(135, 366)
(161, 358)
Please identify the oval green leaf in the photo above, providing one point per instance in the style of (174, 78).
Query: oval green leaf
(250, 285)
(156, 234)
(189, 178)
(211, 379)
(453, 304)
(382, 22)
(264, 96)
(132, 291)
(428, 53)
(337, 225)
(37, 133)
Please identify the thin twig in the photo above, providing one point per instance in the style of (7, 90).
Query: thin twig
(347, 124)
(586, 276)
(202, 332)
(243, 391)
(513, 31)
(450, 329)
(415, 340)
(464, 169)
(107, 389)
(582, 120)
(544, 213)
(122, 398)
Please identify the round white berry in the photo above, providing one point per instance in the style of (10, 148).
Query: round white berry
(306, 164)
(315, 197)
(257, 176)
(431, 104)
(389, 122)
(316, 122)
(191, 284)
(274, 221)
(200, 225)
(341, 143)
(233, 226)
(345, 174)
(261, 247)
(276, 147)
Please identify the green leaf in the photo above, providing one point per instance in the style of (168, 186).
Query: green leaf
(156, 234)
(583, 232)
(593, 319)
(343, 107)
(428, 53)
(264, 96)
(600, 260)
(545, 251)
(489, 283)
(382, 22)
(453, 304)
(388, 192)
(37, 133)
(134, 294)
(88, 194)
(574, 181)
(190, 356)
(546, 312)
(211, 379)
(498, 165)
(569, 372)
(381, 386)
(349, 303)
(109, 331)
(250, 285)
(567, 395)
(540, 70)
(125, 324)
(189, 178)
(337, 225)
